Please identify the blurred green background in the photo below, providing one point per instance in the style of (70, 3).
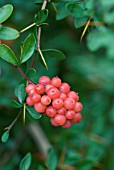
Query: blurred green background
(88, 145)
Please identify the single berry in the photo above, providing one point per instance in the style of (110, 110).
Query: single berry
(31, 92)
(45, 100)
(39, 107)
(77, 118)
(51, 112)
(78, 107)
(56, 81)
(68, 124)
(29, 87)
(39, 89)
(35, 98)
(57, 103)
(52, 120)
(48, 86)
(60, 119)
(63, 96)
(64, 88)
(62, 111)
(44, 80)
(73, 95)
(53, 93)
(70, 114)
(69, 103)
(29, 101)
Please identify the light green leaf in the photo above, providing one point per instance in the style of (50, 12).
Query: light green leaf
(5, 136)
(15, 104)
(62, 11)
(52, 160)
(75, 10)
(7, 33)
(26, 162)
(0, 26)
(28, 48)
(7, 54)
(20, 92)
(5, 12)
(53, 53)
(33, 113)
(41, 16)
(79, 22)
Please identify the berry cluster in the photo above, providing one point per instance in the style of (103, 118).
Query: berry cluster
(54, 98)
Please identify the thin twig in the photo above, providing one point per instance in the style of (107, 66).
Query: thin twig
(24, 113)
(23, 30)
(54, 7)
(33, 60)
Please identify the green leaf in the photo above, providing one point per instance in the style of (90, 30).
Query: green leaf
(7, 33)
(0, 26)
(84, 164)
(28, 48)
(15, 104)
(20, 92)
(26, 162)
(62, 11)
(5, 136)
(52, 159)
(32, 75)
(5, 12)
(79, 22)
(41, 16)
(38, 1)
(53, 53)
(7, 54)
(75, 10)
(33, 113)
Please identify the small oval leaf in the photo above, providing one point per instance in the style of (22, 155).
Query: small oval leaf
(7, 54)
(7, 33)
(15, 104)
(33, 113)
(5, 12)
(20, 92)
(75, 10)
(53, 53)
(52, 160)
(28, 48)
(5, 136)
(41, 16)
(26, 162)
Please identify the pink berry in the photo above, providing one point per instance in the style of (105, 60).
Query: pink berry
(39, 107)
(29, 101)
(57, 103)
(63, 96)
(44, 80)
(70, 114)
(69, 103)
(60, 119)
(45, 100)
(48, 86)
(52, 120)
(64, 88)
(53, 93)
(77, 118)
(78, 107)
(39, 89)
(68, 124)
(29, 87)
(56, 81)
(73, 95)
(62, 111)
(35, 98)
(31, 92)
(51, 112)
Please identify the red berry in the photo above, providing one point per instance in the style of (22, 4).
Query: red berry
(78, 107)
(62, 111)
(64, 88)
(29, 87)
(39, 107)
(63, 96)
(35, 97)
(53, 93)
(31, 92)
(68, 124)
(52, 120)
(29, 101)
(44, 80)
(51, 112)
(56, 81)
(73, 95)
(57, 103)
(45, 100)
(60, 119)
(48, 86)
(69, 103)
(77, 118)
(39, 89)
(70, 114)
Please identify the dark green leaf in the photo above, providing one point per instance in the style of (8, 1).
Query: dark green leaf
(7, 54)
(5, 136)
(41, 16)
(28, 48)
(7, 33)
(52, 160)
(55, 1)
(75, 10)
(85, 164)
(79, 22)
(0, 26)
(33, 113)
(53, 53)
(20, 92)
(26, 162)
(32, 75)
(5, 12)
(15, 104)
(38, 1)
(62, 11)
